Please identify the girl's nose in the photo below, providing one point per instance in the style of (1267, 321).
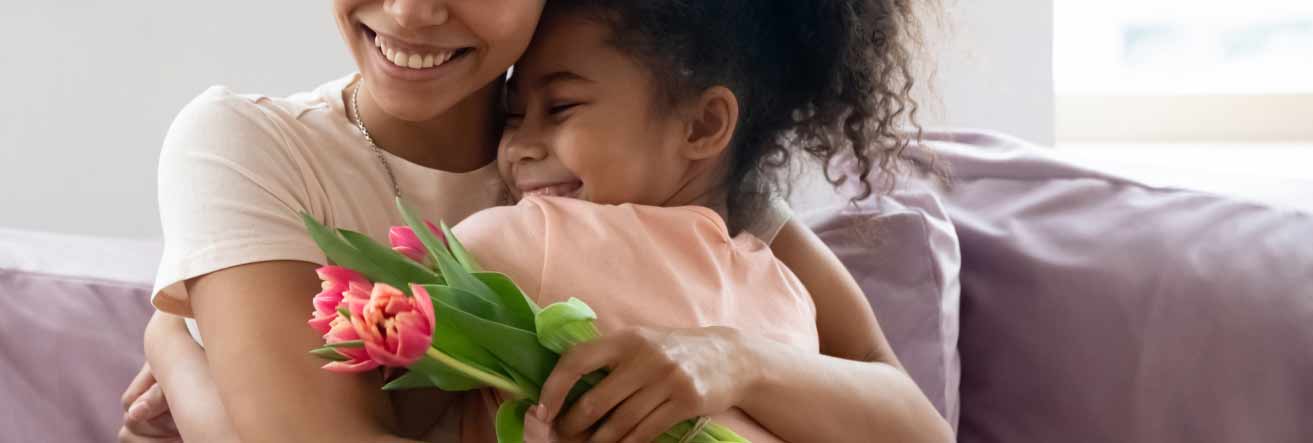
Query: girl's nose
(417, 14)
(523, 149)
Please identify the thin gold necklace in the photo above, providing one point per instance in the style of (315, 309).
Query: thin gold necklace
(378, 152)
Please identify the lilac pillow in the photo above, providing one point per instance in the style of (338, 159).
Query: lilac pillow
(1098, 309)
(903, 252)
(74, 309)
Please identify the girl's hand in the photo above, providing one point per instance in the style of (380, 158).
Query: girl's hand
(659, 377)
(146, 416)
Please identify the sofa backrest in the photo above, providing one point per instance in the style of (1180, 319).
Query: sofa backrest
(1096, 308)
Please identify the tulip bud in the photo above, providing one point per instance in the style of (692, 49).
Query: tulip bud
(562, 325)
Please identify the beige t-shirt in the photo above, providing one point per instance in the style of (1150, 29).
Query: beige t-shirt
(237, 170)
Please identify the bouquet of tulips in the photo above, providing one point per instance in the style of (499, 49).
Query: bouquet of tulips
(425, 305)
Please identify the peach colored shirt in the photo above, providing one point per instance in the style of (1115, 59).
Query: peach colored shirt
(642, 265)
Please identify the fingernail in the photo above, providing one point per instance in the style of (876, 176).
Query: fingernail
(540, 412)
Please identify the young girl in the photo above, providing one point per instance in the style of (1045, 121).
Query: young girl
(672, 116)
(237, 168)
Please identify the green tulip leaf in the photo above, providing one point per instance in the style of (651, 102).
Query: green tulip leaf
(411, 380)
(455, 274)
(520, 310)
(444, 377)
(458, 250)
(340, 252)
(518, 348)
(465, 301)
(346, 344)
(404, 270)
(534, 389)
(510, 421)
(328, 353)
(449, 338)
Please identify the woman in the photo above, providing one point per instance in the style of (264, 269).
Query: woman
(430, 72)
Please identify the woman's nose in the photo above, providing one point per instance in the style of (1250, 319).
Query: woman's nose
(417, 14)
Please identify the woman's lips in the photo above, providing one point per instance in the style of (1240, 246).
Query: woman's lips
(570, 190)
(412, 62)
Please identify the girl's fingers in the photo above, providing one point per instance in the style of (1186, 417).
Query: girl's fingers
(619, 385)
(632, 412)
(583, 359)
(666, 416)
(142, 381)
(150, 417)
(151, 404)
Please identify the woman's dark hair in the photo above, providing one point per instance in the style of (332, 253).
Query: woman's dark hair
(820, 77)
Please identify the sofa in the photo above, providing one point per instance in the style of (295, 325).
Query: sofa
(1037, 299)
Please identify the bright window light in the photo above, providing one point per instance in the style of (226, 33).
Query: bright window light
(1183, 47)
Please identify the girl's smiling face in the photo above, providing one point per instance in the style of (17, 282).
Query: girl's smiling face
(583, 122)
(421, 57)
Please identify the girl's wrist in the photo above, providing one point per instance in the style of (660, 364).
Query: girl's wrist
(162, 330)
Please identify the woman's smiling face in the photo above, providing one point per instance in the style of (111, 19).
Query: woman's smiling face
(422, 57)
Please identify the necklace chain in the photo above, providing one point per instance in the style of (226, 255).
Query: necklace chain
(378, 152)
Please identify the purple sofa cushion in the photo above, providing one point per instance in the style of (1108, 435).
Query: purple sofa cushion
(903, 252)
(1099, 309)
(74, 310)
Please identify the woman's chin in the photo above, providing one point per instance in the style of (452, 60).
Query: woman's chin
(410, 106)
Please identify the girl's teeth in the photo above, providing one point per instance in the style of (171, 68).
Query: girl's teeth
(428, 61)
(415, 61)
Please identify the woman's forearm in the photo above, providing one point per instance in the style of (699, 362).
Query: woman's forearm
(179, 366)
(846, 398)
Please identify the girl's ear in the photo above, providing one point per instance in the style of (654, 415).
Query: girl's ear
(713, 120)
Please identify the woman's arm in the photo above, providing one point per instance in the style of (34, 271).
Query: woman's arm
(253, 321)
(859, 379)
(179, 366)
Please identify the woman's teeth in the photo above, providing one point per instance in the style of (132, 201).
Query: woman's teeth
(412, 61)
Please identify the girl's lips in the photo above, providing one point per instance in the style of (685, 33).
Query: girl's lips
(570, 190)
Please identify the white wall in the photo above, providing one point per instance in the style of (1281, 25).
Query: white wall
(996, 68)
(91, 87)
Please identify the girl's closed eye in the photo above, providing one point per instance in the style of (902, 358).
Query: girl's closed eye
(558, 109)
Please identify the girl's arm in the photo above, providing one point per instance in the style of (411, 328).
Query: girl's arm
(858, 379)
(253, 320)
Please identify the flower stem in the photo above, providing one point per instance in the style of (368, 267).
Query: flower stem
(493, 380)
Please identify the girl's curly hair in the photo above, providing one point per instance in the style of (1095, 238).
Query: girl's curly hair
(823, 78)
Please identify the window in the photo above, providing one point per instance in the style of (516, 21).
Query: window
(1184, 71)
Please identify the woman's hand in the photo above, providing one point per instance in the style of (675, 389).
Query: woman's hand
(146, 416)
(658, 378)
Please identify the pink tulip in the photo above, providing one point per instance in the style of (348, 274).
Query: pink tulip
(337, 280)
(405, 241)
(342, 329)
(397, 329)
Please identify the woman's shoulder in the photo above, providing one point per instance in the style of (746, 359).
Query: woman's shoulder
(253, 129)
(219, 111)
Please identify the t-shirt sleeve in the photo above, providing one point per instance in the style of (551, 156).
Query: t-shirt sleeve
(511, 240)
(772, 220)
(230, 193)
